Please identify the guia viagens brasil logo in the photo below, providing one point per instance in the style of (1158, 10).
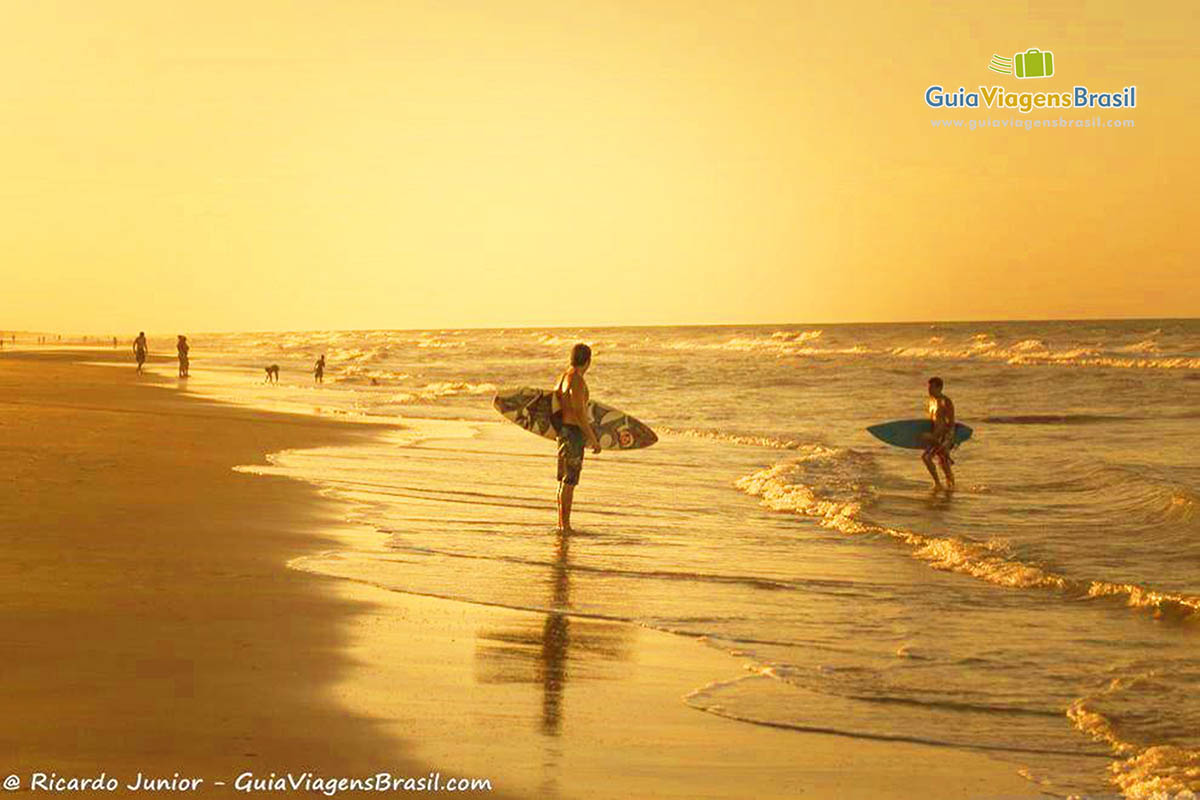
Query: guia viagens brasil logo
(1032, 63)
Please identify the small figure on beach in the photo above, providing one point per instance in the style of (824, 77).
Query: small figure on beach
(319, 369)
(140, 350)
(182, 348)
(941, 440)
(273, 373)
(574, 426)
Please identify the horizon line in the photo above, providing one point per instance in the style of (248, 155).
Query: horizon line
(636, 326)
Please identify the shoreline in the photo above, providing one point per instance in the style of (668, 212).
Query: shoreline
(609, 718)
(339, 677)
(153, 624)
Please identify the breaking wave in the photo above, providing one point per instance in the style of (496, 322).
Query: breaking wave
(1154, 771)
(733, 438)
(436, 391)
(1035, 352)
(832, 486)
(778, 343)
(1146, 354)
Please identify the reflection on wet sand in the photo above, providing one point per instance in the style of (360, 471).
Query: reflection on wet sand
(563, 647)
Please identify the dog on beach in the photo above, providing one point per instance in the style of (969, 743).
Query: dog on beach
(273, 374)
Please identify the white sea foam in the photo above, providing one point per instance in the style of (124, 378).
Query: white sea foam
(1035, 352)
(1161, 772)
(831, 485)
(1131, 527)
(440, 344)
(437, 391)
(1150, 772)
(1148, 346)
(779, 343)
(733, 438)
(797, 336)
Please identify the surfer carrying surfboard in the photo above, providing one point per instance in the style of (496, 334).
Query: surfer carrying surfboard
(574, 426)
(941, 440)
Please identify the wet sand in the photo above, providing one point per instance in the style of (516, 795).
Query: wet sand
(551, 706)
(152, 625)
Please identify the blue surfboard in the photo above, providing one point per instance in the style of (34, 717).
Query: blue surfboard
(910, 433)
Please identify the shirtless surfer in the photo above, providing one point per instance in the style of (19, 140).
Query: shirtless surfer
(570, 410)
(182, 348)
(140, 349)
(941, 440)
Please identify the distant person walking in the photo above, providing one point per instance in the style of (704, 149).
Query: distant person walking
(319, 369)
(571, 419)
(140, 350)
(941, 439)
(182, 348)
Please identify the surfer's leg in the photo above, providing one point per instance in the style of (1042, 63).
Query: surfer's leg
(570, 462)
(945, 459)
(927, 457)
(566, 495)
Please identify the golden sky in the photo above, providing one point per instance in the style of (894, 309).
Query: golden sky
(306, 164)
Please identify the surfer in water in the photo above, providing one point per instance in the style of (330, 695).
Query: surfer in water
(182, 348)
(941, 440)
(140, 350)
(574, 428)
(319, 369)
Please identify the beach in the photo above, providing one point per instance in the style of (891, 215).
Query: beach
(875, 476)
(1042, 614)
(150, 623)
(154, 626)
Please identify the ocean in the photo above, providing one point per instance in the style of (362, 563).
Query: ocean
(1046, 613)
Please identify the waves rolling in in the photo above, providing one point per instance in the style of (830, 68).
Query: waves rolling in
(832, 485)
(767, 523)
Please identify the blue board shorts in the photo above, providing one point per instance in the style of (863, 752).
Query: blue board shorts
(570, 454)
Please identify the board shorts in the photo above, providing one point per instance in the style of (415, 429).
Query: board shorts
(570, 454)
(942, 445)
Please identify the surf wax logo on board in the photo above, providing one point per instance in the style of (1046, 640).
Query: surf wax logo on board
(1032, 63)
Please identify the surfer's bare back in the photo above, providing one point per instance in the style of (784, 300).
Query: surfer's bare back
(941, 440)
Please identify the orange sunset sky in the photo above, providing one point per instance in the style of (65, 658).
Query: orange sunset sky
(307, 164)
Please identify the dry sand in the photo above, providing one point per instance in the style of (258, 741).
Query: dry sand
(151, 624)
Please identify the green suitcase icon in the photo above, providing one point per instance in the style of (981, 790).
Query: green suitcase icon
(1034, 63)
